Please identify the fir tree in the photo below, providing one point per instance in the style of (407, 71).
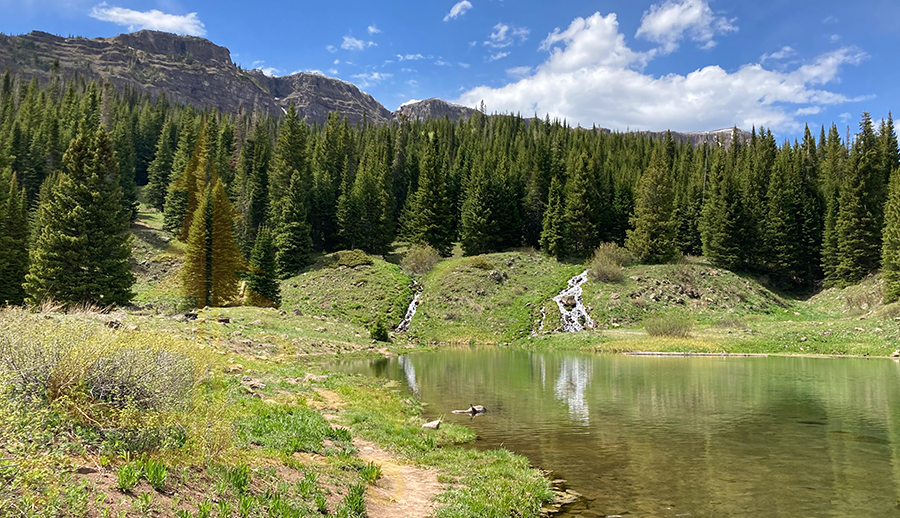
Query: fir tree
(581, 209)
(13, 239)
(478, 235)
(161, 167)
(553, 227)
(721, 222)
(81, 255)
(429, 220)
(292, 240)
(890, 248)
(262, 282)
(652, 239)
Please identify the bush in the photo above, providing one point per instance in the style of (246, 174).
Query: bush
(608, 261)
(420, 259)
(673, 326)
(128, 476)
(380, 329)
(479, 262)
(353, 258)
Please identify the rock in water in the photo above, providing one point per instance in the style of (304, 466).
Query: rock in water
(432, 425)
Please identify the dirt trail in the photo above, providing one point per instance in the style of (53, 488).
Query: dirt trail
(403, 490)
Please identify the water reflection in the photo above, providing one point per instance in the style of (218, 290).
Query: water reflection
(671, 436)
(571, 385)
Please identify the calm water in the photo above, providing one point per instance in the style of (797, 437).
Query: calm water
(681, 436)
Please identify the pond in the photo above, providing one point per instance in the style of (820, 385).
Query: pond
(680, 436)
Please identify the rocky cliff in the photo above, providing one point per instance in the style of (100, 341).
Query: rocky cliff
(196, 71)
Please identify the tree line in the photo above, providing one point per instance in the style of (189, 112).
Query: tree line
(74, 154)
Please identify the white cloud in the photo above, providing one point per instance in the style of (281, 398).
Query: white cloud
(331, 48)
(337, 62)
(413, 83)
(410, 57)
(411, 101)
(464, 65)
(830, 19)
(667, 24)
(351, 43)
(592, 76)
(442, 63)
(503, 36)
(835, 37)
(371, 78)
(812, 110)
(269, 71)
(153, 19)
(333, 71)
(458, 10)
(518, 72)
(784, 53)
(373, 29)
(495, 57)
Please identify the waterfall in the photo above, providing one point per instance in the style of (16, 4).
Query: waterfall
(576, 318)
(411, 310)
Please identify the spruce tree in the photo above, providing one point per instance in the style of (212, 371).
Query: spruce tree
(292, 240)
(478, 235)
(581, 208)
(13, 239)
(429, 220)
(890, 248)
(261, 280)
(652, 239)
(721, 221)
(554, 227)
(161, 167)
(81, 255)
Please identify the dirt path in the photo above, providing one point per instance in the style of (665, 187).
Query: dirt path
(402, 491)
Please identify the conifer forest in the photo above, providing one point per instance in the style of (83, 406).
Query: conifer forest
(252, 197)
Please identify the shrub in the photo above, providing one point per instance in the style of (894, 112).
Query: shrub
(479, 262)
(420, 259)
(607, 263)
(669, 325)
(379, 329)
(353, 258)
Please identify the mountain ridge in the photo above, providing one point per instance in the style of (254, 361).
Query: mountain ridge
(196, 71)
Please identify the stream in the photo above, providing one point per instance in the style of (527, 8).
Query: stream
(576, 318)
(402, 327)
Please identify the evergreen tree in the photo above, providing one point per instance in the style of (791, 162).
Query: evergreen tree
(653, 237)
(831, 178)
(429, 220)
(890, 248)
(554, 227)
(478, 234)
(857, 225)
(363, 211)
(161, 167)
(580, 212)
(81, 255)
(13, 239)
(721, 222)
(185, 192)
(261, 280)
(292, 240)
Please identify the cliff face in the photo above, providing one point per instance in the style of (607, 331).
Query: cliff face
(196, 71)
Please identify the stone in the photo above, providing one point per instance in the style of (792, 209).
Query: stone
(432, 425)
(237, 368)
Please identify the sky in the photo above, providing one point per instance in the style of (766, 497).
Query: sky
(685, 65)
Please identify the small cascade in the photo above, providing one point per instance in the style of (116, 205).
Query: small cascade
(411, 310)
(574, 315)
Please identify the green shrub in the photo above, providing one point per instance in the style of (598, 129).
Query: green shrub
(353, 258)
(128, 476)
(669, 325)
(380, 329)
(479, 262)
(420, 259)
(608, 261)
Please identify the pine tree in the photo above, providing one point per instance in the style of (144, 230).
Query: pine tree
(890, 248)
(185, 192)
(721, 221)
(652, 239)
(261, 281)
(429, 220)
(857, 227)
(553, 228)
(13, 239)
(161, 167)
(292, 240)
(363, 211)
(581, 208)
(478, 234)
(832, 175)
(81, 255)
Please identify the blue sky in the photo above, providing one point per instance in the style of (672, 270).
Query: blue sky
(686, 65)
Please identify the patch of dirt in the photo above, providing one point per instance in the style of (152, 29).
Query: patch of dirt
(403, 490)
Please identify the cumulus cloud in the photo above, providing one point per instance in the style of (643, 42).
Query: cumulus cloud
(351, 43)
(669, 22)
(458, 10)
(784, 53)
(504, 35)
(592, 76)
(518, 72)
(374, 30)
(153, 19)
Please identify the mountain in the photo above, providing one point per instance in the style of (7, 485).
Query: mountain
(195, 71)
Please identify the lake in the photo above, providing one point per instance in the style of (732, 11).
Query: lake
(679, 436)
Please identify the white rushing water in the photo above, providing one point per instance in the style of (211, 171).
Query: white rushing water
(410, 311)
(577, 318)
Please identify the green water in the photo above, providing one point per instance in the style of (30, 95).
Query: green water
(650, 436)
